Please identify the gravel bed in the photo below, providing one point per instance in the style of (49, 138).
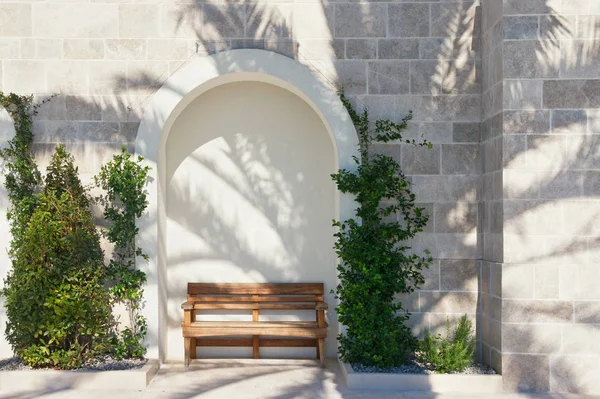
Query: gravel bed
(414, 367)
(97, 364)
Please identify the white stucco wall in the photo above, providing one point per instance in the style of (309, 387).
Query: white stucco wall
(7, 132)
(249, 199)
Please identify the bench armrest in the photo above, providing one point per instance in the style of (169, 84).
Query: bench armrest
(322, 306)
(189, 305)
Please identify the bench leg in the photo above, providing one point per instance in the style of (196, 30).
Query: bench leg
(321, 351)
(186, 350)
(317, 346)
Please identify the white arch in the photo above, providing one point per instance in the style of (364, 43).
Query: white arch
(196, 77)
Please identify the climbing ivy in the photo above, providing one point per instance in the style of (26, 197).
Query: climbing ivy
(375, 259)
(123, 180)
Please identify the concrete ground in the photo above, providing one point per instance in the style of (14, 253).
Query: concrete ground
(265, 379)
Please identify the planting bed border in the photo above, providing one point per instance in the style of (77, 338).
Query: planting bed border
(441, 383)
(51, 380)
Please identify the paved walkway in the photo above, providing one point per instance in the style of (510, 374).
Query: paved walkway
(224, 379)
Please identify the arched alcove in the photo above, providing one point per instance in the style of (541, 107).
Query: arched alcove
(271, 77)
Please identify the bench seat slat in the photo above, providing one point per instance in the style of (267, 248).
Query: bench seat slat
(255, 289)
(264, 343)
(246, 298)
(249, 324)
(303, 332)
(250, 306)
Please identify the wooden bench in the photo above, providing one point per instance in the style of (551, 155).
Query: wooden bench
(254, 297)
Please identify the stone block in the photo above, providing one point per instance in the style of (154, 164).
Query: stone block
(68, 77)
(448, 302)
(456, 17)
(223, 21)
(555, 27)
(436, 132)
(582, 151)
(587, 26)
(526, 122)
(521, 59)
(460, 159)
(15, 19)
(580, 7)
(577, 94)
(459, 108)
(459, 274)
(83, 49)
(522, 94)
(581, 339)
(514, 151)
(545, 152)
(352, 76)
(428, 210)
(107, 77)
(79, 108)
(78, 20)
(591, 183)
(568, 184)
(528, 338)
(408, 20)
(418, 323)
(492, 100)
(453, 217)
(398, 49)
(536, 311)
(517, 281)
(533, 217)
(579, 281)
(547, 282)
(55, 132)
(10, 48)
(587, 312)
(55, 109)
(447, 246)
(579, 59)
(520, 184)
(512, 7)
(129, 49)
(41, 48)
(410, 302)
(496, 217)
(138, 21)
(453, 77)
(361, 49)
(268, 21)
(575, 374)
(24, 76)
(360, 20)
(466, 132)
(526, 372)
(432, 276)
(438, 48)
(102, 132)
(322, 49)
(388, 77)
(316, 21)
(163, 49)
(520, 27)
(420, 160)
(445, 188)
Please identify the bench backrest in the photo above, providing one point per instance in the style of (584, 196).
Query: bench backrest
(267, 294)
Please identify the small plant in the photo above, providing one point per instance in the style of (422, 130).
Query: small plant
(123, 179)
(375, 261)
(449, 354)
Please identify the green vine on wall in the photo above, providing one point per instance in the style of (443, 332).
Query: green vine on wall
(375, 260)
(123, 180)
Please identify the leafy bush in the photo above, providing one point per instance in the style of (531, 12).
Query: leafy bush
(450, 353)
(58, 309)
(123, 180)
(375, 263)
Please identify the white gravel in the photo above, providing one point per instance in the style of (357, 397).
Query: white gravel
(99, 363)
(414, 367)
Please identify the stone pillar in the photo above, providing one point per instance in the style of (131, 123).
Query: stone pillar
(550, 200)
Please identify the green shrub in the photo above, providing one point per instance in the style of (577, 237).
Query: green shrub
(375, 263)
(123, 180)
(57, 307)
(451, 353)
